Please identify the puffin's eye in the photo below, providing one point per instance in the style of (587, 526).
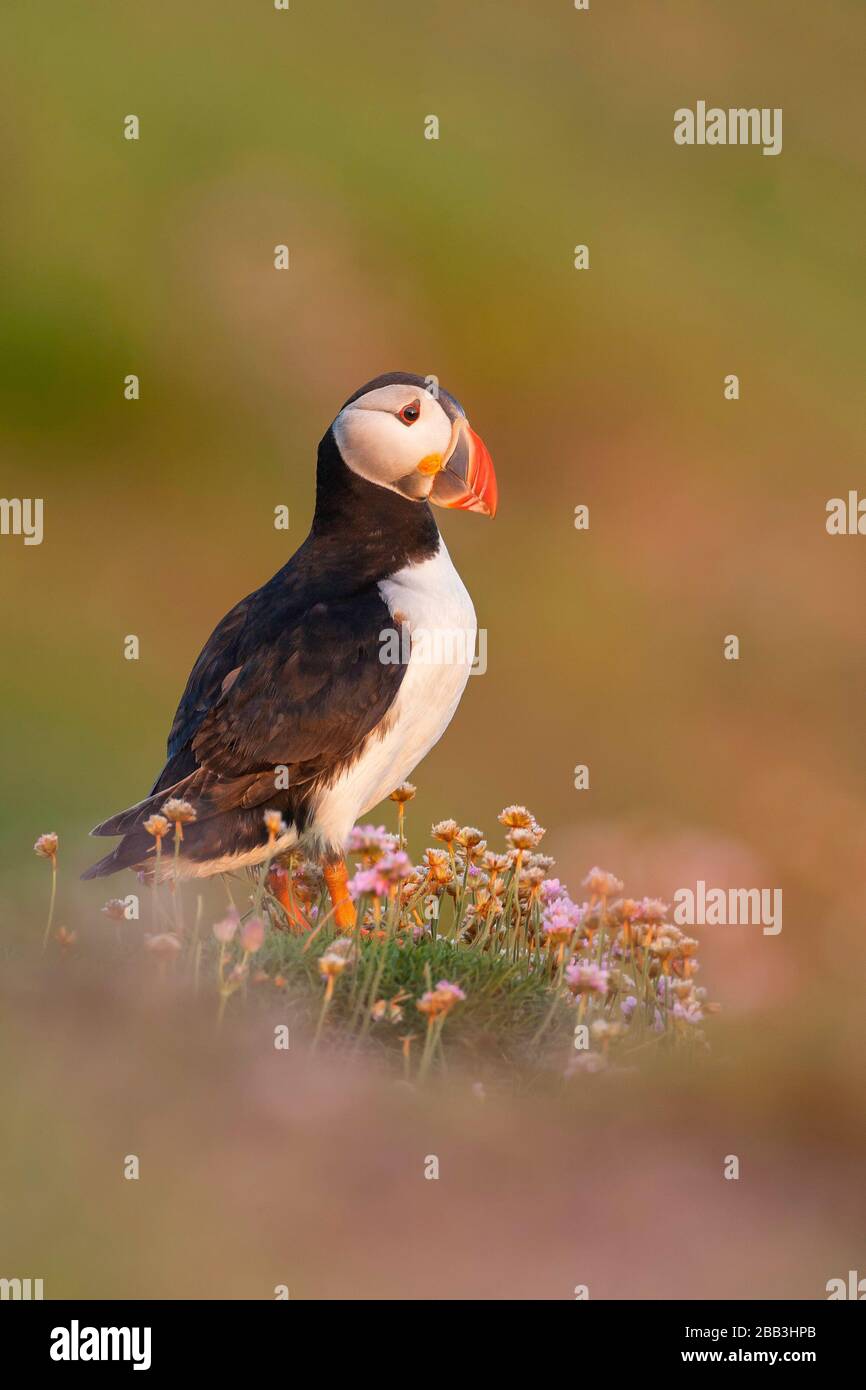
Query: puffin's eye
(410, 413)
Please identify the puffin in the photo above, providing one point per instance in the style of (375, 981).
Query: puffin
(301, 701)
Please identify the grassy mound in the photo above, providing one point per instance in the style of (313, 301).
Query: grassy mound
(470, 953)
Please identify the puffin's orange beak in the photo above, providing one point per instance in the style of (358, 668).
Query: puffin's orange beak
(467, 479)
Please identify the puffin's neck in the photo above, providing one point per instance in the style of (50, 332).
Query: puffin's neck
(372, 529)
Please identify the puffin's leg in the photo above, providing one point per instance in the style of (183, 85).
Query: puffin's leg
(278, 883)
(337, 882)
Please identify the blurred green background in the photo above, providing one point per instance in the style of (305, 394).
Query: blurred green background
(602, 387)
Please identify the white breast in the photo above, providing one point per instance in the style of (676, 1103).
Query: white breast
(430, 600)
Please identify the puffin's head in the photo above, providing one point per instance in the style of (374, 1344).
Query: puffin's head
(400, 434)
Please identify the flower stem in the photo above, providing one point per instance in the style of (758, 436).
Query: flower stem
(557, 985)
(434, 1028)
(329, 990)
(51, 902)
(177, 904)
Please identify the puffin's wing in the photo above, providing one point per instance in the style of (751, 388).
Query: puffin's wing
(212, 672)
(302, 693)
(307, 699)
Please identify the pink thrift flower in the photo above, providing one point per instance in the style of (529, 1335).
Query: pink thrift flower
(252, 935)
(689, 1013)
(602, 884)
(225, 929)
(453, 991)
(370, 840)
(586, 979)
(364, 881)
(551, 889)
(437, 1003)
(652, 910)
(384, 877)
(561, 918)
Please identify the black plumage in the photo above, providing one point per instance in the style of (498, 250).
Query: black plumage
(291, 677)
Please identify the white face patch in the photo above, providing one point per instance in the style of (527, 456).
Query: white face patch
(376, 443)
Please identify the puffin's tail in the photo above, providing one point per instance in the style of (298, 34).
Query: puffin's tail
(134, 816)
(228, 821)
(132, 850)
(136, 844)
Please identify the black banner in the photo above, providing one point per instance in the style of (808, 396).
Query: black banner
(65, 1337)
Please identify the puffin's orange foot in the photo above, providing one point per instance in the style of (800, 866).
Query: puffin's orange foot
(278, 883)
(337, 882)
